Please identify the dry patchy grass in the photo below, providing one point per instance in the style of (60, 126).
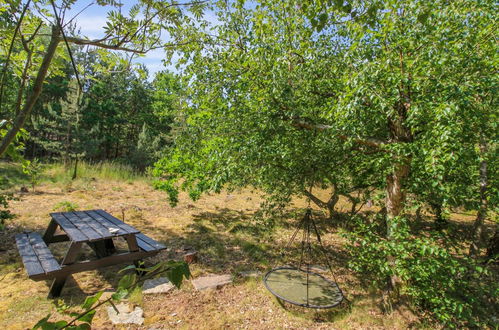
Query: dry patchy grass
(222, 228)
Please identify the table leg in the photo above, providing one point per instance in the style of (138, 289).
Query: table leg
(110, 248)
(57, 285)
(70, 258)
(132, 243)
(103, 248)
(134, 247)
(49, 233)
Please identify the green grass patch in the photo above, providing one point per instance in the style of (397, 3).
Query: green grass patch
(12, 175)
(66, 206)
(106, 170)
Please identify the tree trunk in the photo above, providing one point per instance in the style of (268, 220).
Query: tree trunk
(33, 97)
(493, 247)
(440, 221)
(478, 226)
(395, 200)
(75, 170)
(329, 205)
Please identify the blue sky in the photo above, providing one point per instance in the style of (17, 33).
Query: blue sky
(92, 20)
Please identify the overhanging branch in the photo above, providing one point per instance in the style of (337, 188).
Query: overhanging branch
(371, 142)
(99, 43)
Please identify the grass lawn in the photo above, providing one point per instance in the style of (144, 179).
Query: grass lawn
(222, 228)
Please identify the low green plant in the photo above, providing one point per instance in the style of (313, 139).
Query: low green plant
(451, 288)
(5, 214)
(128, 285)
(106, 170)
(33, 168)
(66, 206)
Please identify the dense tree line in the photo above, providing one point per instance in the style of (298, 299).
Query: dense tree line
(120, 114)
(113, 118)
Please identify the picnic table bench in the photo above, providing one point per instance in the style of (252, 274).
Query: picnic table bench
(96, 228)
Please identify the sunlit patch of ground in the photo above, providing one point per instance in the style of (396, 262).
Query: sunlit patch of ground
(223, 228)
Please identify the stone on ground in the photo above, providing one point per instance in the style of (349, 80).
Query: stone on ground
(211, 282)
(125, 316)
(157, 285)
(250, 273)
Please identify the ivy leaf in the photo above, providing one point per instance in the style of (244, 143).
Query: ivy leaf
(90, 301)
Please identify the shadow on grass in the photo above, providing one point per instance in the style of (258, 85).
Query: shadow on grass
(227, 241)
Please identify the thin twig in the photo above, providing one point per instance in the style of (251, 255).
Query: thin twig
(58, 21)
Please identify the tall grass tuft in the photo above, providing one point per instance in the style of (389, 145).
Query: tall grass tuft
(106, 170)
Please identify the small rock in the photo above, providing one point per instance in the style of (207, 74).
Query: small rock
(191, 257)
(250, 273)
(211, 282)
(125, 316)
(157, 285)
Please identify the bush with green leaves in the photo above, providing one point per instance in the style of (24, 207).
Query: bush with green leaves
(454, 289)
(5, 214)
(33, 168)
(66, 206)
(82, 320)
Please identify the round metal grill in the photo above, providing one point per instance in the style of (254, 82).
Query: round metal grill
(303, 288)
(299, 285)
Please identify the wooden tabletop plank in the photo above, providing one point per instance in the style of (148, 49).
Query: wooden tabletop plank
(46, 257)
(84, 227)
(106, 223)
(69, 228)
(129, 229)
(96, 225)
(30, 259)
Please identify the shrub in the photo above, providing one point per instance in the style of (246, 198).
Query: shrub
(33, 169)
(450, 288)
(66, 206)
(5, 214)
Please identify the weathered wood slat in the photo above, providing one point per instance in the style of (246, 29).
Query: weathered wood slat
(28, 255)
(83, 227)
(129, 229)
(73, 232)
(157, 245)
(145, 246)
(106, 223)
(46, 258)
(96, 225)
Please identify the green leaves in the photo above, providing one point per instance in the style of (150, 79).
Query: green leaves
(91, 300)
(436, 279)
(176, 271)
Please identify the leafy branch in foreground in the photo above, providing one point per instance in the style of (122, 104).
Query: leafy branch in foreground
(173, 270)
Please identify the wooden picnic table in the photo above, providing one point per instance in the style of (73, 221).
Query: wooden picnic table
(96, 228)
